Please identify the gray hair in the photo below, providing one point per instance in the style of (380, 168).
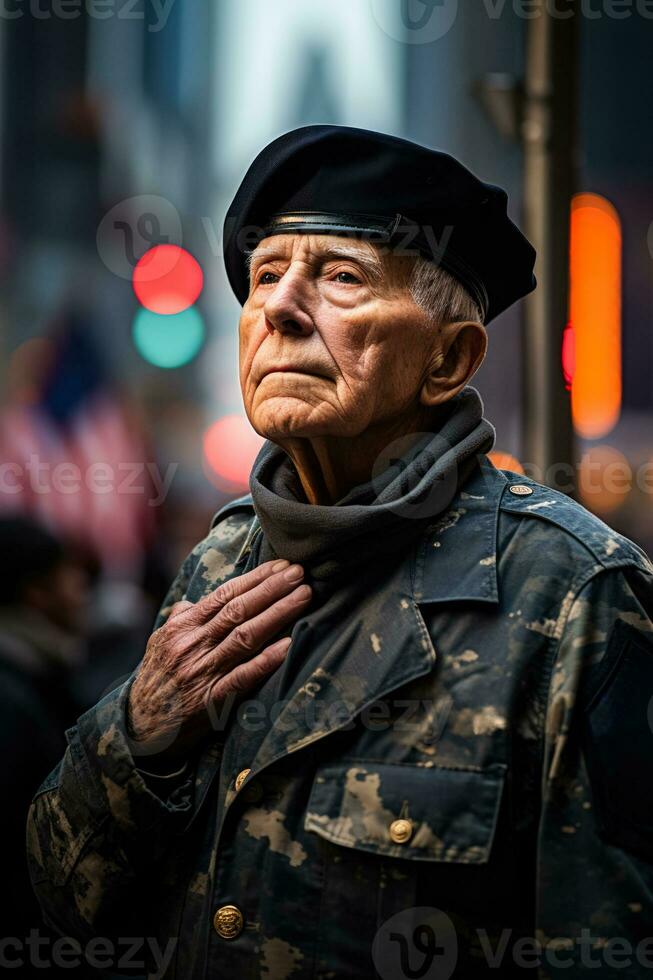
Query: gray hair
(441, 296)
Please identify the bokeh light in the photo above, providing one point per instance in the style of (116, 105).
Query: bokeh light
(505, 461)
(230, 448)
(568, 356)
(595, 314)
(167, 279)
(168, 341)
(605, 479)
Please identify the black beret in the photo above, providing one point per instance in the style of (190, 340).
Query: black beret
(344, 181)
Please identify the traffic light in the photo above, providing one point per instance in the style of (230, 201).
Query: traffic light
(168, 330)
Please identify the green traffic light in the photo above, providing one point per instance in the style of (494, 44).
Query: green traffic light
(168, 341)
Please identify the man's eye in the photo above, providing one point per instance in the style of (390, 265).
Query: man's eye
(349, 278)
(264, 281)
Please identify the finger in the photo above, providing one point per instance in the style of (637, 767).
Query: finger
(248, 675)
(247, 605)
(180, 607)
(210, 604)
(243, 641)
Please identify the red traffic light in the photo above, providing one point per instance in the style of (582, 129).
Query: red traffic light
(167, 279)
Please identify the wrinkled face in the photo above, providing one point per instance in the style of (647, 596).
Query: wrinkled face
(331, 341)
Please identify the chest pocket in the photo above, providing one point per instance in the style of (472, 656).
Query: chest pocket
(405, 811)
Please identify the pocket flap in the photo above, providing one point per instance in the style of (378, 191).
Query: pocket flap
(446, 814)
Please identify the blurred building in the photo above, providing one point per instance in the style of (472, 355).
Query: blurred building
(122, 133)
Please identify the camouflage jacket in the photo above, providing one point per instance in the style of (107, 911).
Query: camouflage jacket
(473, 794)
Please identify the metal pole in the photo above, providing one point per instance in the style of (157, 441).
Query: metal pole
(548, 134)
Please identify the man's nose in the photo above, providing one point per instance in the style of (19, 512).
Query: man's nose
(287, 307)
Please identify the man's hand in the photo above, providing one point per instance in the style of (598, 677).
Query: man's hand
(211, 651)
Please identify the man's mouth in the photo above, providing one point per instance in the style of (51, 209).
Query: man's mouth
(290, 369)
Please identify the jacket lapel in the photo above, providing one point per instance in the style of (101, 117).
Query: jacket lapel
(374, 653)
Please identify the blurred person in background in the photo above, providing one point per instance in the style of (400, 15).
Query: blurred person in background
(44, 592)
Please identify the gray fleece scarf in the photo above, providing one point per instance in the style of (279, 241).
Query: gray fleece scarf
(375, 522)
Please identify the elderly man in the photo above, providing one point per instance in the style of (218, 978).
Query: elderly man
(392, 716)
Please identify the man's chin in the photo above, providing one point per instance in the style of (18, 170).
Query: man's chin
(278, 426)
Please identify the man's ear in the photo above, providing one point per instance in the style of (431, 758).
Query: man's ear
(458, 355)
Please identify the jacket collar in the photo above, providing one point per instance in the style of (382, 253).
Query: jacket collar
(457, 558)
(450, 565)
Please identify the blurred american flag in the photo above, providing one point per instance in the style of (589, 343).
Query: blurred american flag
(74, 455)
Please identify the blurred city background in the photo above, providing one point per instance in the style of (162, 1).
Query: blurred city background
(126, 128)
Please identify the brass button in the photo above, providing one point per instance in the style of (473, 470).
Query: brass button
(401, 831)
(241, 777)
(520, 489)
(228, 921)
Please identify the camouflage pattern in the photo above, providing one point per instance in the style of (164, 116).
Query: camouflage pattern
(495, 695)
